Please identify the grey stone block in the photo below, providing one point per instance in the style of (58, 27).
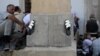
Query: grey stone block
(45, 52)
(49, 31)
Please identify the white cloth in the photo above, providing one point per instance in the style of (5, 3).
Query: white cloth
(86, 44)
(27, 19)
(31, 24)
(67, 23)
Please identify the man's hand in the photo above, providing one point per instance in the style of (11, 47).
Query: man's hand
(14, 19)
(23, 28)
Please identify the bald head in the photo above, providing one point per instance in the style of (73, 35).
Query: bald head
(11, 8)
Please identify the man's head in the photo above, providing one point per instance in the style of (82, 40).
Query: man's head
(17, 9)
(87, 36)
(11, 8)
(92, 17)
(76, 19)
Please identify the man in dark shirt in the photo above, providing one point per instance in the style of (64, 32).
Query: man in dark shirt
(76, 24)
(92, 25)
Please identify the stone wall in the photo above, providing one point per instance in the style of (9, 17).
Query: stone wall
(50, 6)
(49, 29)
(99, 10)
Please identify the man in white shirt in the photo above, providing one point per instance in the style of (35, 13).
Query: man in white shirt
(29, 23)
(27, 19)
(87, 43)
(96, 46)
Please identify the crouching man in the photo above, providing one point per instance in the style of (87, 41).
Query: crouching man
(7, 24)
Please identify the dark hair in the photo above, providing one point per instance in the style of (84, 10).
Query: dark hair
(92, 16)
(17, 8)
(98, 35)
(85, 35)
(9, 5)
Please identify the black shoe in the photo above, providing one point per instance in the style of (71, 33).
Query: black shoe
(7, 47)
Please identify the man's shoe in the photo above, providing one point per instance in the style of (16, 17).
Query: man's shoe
(12, 47)
(6, 47)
